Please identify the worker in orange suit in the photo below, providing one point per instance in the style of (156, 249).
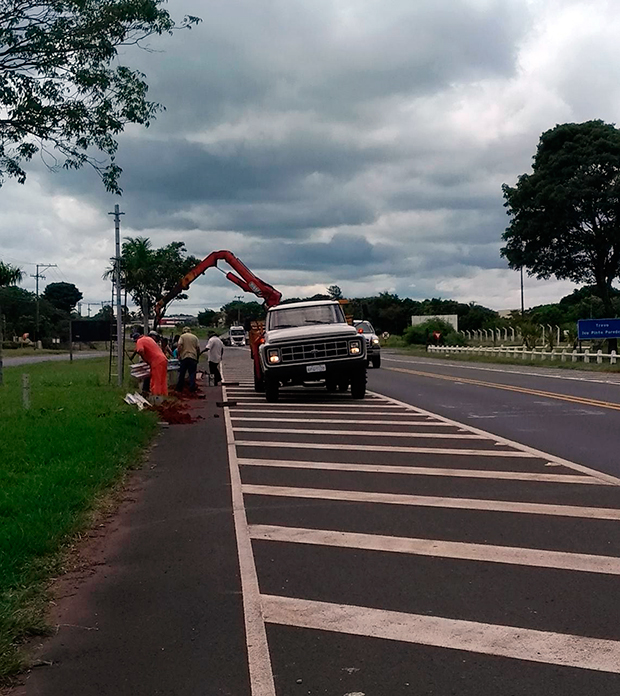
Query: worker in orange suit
(151, 353)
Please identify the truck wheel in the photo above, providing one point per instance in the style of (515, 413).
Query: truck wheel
(272, 390)
(376, 361)
(358, 384)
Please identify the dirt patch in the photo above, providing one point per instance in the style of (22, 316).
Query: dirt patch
(175, 412)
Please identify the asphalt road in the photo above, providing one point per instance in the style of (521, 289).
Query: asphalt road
(435, 538)
(572, 414)
(47, 357)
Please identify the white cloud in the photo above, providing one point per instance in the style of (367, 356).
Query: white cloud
(297, 130)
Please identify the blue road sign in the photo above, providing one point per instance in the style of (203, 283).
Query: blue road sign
(598, 328)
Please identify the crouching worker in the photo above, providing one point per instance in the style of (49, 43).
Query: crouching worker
(151, 353)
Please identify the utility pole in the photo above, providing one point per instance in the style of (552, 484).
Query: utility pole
(117, 287)
(37, 275)
(238, 298)
(522, 307)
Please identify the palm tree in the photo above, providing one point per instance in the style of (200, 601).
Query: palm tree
(137, 272)
(10, 275)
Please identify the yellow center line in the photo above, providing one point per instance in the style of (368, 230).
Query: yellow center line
(507, 387)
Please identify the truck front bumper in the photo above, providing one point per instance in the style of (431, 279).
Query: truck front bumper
(298, 373)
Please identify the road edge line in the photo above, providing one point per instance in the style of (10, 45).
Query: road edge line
(259, 660)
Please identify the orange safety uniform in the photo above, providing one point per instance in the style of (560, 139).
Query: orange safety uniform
(151, 353)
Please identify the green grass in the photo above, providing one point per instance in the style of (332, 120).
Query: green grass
(57, 461)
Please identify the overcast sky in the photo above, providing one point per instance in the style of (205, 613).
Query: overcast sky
(361, 143)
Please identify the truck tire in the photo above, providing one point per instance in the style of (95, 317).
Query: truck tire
(376, 361)
(272, 390)
(358, 384)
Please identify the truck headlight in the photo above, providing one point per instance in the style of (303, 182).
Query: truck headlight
(375, 341)
(355, 347)
(273, 356)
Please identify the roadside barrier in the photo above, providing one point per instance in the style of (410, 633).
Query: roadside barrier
(524, 354)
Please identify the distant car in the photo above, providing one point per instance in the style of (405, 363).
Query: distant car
(373, 346)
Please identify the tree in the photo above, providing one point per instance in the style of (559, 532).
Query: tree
(334, 292)
(61, 89)
(63, 296)
(147, 274)
(10, 275)
(207, 317)
(242, 312)
(566, 213)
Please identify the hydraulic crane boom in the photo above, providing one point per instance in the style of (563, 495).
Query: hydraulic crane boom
(246, 280)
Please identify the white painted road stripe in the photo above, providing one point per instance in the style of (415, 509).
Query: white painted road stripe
(280, 406)
(340, 412)
(351, 421)
(385, 448)
(506, 641)
(510, 555)
(435, 501)
(505, 441)
(426, 471)
(259, 661)
(360, 433)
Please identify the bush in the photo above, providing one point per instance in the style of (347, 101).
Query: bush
(10, 345)
(422, 334)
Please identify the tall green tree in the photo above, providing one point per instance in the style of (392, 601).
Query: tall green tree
(63, 90)
(148, 273)
(9, 275)
(63, 296)
(565, 215)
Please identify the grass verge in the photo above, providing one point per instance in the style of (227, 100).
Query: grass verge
(57, 461)
(489, 358)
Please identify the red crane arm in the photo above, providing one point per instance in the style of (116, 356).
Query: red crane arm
(248, 281)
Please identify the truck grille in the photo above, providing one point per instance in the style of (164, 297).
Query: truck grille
(323, 350)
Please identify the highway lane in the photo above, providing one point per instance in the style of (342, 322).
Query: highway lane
(572, 414)
(387, 549)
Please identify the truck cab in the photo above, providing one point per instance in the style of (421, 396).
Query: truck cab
(312, 342)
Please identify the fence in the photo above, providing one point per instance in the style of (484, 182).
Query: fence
(524, 354)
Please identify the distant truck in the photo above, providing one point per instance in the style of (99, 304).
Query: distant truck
(311, 342)
(237, 336)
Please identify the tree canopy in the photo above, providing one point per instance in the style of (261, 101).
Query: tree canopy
(148, 273)
(63, 296)
(61, 89)
(565, 215)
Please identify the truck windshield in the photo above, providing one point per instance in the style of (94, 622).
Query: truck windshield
(237, 331)
(283, 318)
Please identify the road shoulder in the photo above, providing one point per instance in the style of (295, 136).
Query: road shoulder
(156, 605)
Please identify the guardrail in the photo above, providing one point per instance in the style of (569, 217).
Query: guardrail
(524, 354)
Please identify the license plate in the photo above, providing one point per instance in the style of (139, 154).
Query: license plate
(315, 368)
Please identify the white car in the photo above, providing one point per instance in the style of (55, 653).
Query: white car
(373, 346)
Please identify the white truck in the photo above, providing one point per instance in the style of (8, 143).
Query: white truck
(236, 335)
(311, 342)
